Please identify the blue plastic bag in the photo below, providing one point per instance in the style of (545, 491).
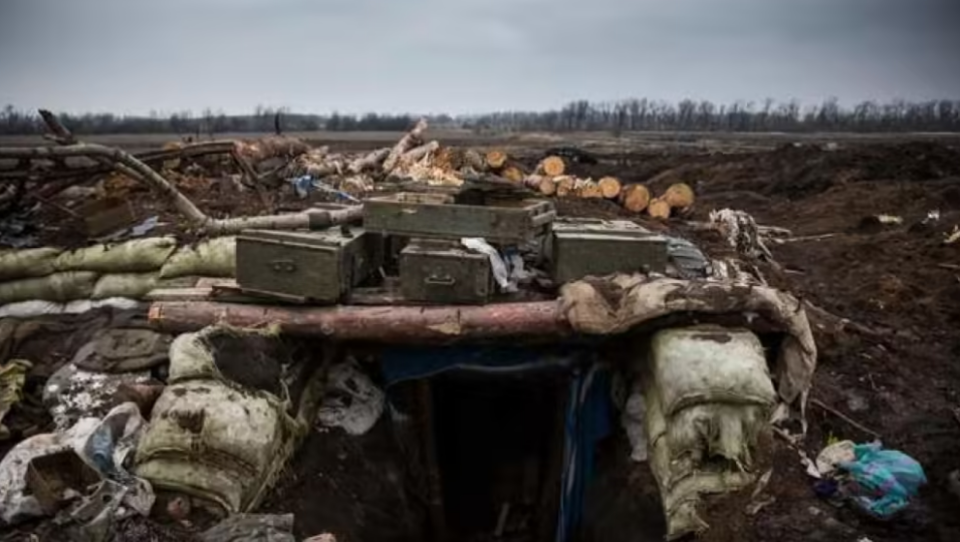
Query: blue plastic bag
(882, 482)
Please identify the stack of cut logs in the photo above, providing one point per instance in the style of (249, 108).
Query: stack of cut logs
(550, 179)
(413, 158)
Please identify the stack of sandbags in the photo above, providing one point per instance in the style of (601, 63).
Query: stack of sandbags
(130, 269)
(708, 396)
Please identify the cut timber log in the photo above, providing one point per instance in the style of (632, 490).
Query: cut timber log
(635, 198)
(495, 159)
(609, 187)
(369, 161)
(513, 173)
(565, 185)
(679, 196)
(410, 140)
(590, 190)
(259, 150)
(403, 325)
(659, 209)
(552, 166)
(417, 153)
(542, 183)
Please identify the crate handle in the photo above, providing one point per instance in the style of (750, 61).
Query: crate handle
(446, 280)
(283, 266)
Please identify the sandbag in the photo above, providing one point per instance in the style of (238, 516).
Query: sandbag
(215, 439)
(211, 258)
(683, 478)
(27, 263)
(717, 430)
(59, 287)
(129, 285)
(137, 256)
(710, 365)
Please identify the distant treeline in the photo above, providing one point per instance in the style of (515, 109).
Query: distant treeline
(616, 117)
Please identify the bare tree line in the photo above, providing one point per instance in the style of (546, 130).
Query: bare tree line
(622, 116)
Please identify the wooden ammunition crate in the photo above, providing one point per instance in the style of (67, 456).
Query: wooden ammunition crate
(316, 266)
(435, 271)
(436, 215)
(580, 247)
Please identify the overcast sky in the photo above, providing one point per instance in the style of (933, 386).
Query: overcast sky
(462, 56)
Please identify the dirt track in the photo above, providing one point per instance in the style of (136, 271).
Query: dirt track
(897, 376)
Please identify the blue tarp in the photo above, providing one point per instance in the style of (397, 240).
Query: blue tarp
(588, 411)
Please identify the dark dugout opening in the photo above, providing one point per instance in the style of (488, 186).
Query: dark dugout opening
(499, 453)
(505, 437)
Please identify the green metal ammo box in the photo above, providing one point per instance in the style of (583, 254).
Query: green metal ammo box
(580, 247)
(436, 215)
(437, 271)
(317, 266)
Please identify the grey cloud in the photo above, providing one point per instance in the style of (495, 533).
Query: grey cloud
(467, 55)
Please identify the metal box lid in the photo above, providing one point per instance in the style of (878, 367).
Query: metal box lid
(333, 237)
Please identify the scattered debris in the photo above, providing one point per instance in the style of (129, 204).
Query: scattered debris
(880, 482)
(351, 401)
(252, 528)
(13, 375)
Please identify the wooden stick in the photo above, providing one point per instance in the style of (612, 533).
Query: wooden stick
(845, 418)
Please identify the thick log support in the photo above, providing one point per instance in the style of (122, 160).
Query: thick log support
(391, 324)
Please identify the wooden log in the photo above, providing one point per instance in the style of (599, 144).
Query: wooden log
(542, 183)
(659, 209)
(679, 196)
(609, 187)
(417, 153)
(407, 142)
(564, 185)
(635, 197)
(590, 190)
(495, 159)
(265, 148)
(390, 324)
(473, 160)
(552, 166)
(513, 173)
(369, 161)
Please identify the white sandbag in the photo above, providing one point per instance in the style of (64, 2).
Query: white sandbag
(136, 256)
(129, 285)
(699, 365)
(717, 430)
(683, 477)
(60, 287)
(246, 435)
(211, 258)
(37, 307)
(27, 263)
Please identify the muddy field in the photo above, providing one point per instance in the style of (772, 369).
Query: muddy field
(894, 371)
